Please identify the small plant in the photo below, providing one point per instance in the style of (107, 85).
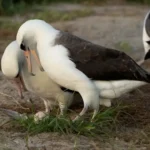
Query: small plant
(123, 46)
(104, 123)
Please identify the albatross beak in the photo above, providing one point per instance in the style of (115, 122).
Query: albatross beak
(28, 59)
(37, 59)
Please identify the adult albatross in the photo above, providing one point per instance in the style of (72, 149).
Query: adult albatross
(146, 35)
(73, 62)
(14, 67)
(44, 87)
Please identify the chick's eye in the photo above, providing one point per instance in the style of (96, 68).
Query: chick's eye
(147, 56)
(22, 46)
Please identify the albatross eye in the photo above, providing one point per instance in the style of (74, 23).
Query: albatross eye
(148, 42)
(147, 56)
(22, 47)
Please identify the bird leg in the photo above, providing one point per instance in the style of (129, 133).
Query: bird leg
(62, 101)
(42, 114)
(94, 114)
(63, 108)
(81, 114)
(19, 85)
(47, 106)
(22, 84)
(90, 96)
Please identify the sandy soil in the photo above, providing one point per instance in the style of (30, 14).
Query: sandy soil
(111, 27)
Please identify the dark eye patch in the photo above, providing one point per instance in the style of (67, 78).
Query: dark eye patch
(148, 42)
(147, 56)
(22, 46)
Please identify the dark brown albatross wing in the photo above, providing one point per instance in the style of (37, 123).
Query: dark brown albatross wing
(100, 63)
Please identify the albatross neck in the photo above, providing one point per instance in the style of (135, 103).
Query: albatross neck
(46, 35)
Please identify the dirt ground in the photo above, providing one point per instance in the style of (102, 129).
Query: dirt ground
(112, 26)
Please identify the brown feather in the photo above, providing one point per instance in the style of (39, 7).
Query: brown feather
(100, 63)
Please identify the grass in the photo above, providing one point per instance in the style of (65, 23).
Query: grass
(124, 46)
(104, 123)
(9, 25)
(52, 16)
(8, 29)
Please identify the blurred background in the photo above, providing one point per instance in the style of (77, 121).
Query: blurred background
(10, 6)
(112, 23)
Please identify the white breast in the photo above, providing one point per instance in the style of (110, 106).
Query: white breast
(40, 84)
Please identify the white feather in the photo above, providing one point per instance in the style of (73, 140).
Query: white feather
(114, 89)
(62, 70)
(145, 36)
(11, 59)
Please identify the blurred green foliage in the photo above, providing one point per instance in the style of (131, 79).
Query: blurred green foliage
(10, 7)
(139, 1)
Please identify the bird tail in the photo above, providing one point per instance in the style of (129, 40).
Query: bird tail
(143, 75)
(148, 77)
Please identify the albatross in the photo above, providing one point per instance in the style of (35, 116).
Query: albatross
(146, 35)
(13, 55)
(14, 67)
(74, 63)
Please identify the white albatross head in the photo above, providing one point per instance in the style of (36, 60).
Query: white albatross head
(11, 60)
(146, 36)
(30, 34)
